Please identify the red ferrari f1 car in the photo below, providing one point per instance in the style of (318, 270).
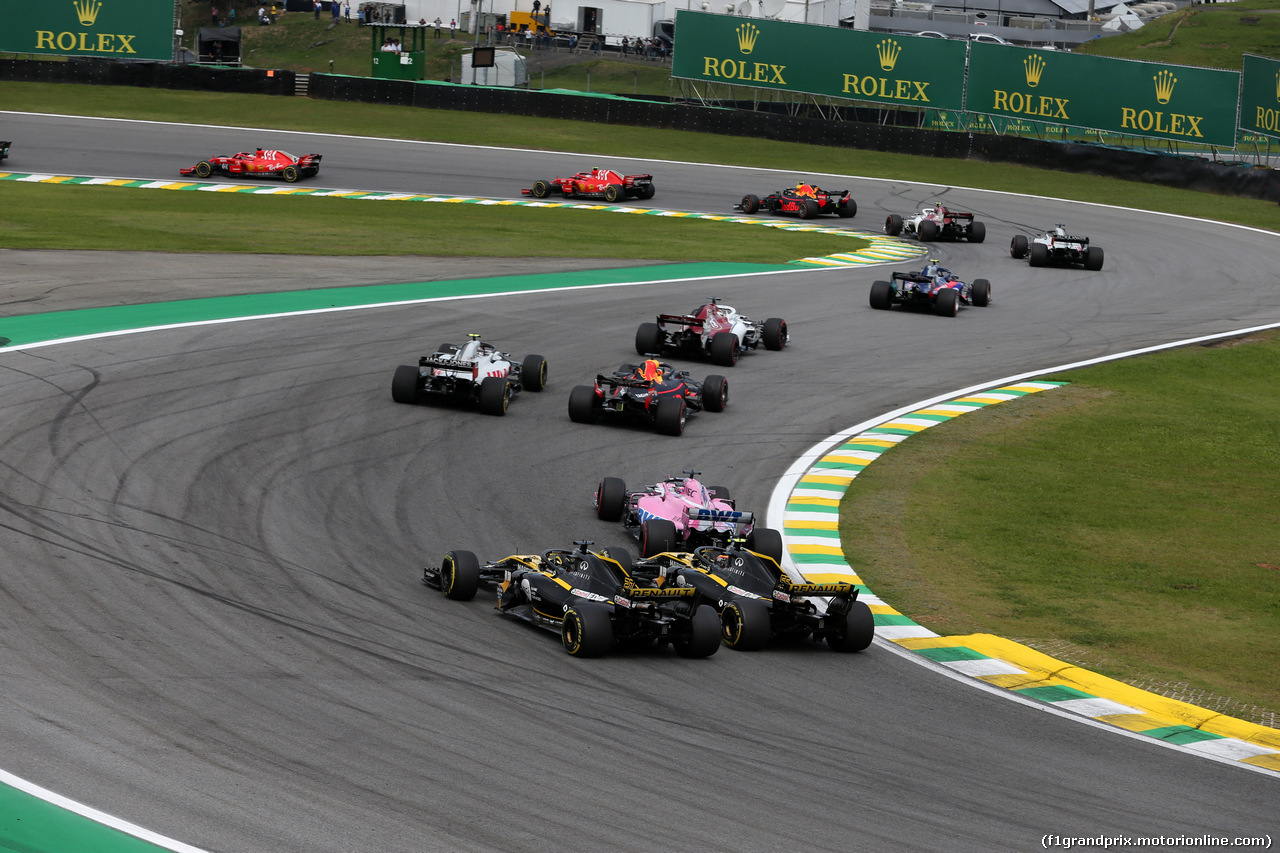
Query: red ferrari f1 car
(261, 163)
(804, 200)
(598, 183)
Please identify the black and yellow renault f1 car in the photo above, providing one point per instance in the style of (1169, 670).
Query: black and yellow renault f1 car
(757, 600)
(590, 598)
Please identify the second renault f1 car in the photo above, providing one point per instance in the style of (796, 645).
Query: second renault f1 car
(712, 329)
(259, 163)
(803, 200)
(653, 392)
(1057, 247)
(598, 183)
(934, 287)
(475, 371)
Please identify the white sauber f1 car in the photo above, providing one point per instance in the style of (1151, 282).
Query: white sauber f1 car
(937, 223)
(712, 329)
(475, 371)
(1057, 247)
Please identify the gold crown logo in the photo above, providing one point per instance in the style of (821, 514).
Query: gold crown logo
(87, 11)
(747, 35)
(1034, 66)
(888, 51)
(1165, 81)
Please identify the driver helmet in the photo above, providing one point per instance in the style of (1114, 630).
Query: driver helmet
(932, 267)
(1060, 231)
(650, 370)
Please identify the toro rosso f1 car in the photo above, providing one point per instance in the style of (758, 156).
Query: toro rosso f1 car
(804, 200)
(261, 163)
(937, 223)
(589, 598)
(1057, 247)
(653, 392)
(713, 330)
(678, 514)
(933, 287)
(475, 371)
(598, 183)
(757, 600)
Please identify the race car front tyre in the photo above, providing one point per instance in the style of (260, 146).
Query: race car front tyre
(881, 295)
(460, 575)
(611, 499)
(767, 541)
(204, 169)
(720, 493)
(775, 333)
(533, 373)
(704, 634)
(928, 230)
(621, 555)
(1093, 258)
(657, 536)
(586, 631)
(649, 339)
(744, 625)
(1018, 246)
(541, 189)
(670, 416)
(1039, 254)
(715, 393)
(404, 385)
(495, 394)
(612, 193)
(981, 293)
(947, 302)
(893, 225)
(290, 174)
(977, 232)
(724, 349)
(854, 632)
(750, 203)
(582, 405)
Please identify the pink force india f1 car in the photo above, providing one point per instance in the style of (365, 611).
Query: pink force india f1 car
(598, 183)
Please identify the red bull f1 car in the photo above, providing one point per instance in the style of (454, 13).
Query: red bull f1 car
(714, 330)
(937, 223)
(804, 200)
(653, 392)
(476, 372)
(589, 598)
(260, 163)
(1057, 247)
(757, 600)
(598, 183)
(934, 287)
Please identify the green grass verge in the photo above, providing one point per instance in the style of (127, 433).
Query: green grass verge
(1211, 36)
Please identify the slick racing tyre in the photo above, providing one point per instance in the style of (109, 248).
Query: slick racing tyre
(612, 193)
(808, 208)
(947, 302)
(586, 631)
(775, 333)
(495, 395)
(657, 536)
(204, 169)
(1018, 246)
(981, 293)
(750, 203)
(611, 499)
(1093, 258)
(854, 632)
(725, 349)
(533, 373)
(1039, 255)
(719, 493)
(582, 405)
(767, 541)
(846, 211)
(647, 191)
(541, 189)
(744, 625)
(670, 417)
(715, 393)
(977, 232)
(928, 230)
(893, 225)
(460, 575)
(704, 634)
(881, 295)
(404, 385)
(649, 339)
(290, 174)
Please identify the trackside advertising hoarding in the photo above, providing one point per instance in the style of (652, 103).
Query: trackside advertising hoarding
(1260, 95)
(119, 29)
(1118, 95)
(860, 66)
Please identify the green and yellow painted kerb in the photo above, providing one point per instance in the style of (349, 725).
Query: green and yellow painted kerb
(811, 527)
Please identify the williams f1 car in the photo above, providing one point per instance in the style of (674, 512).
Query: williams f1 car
(937, 223)
(680, 513)
(757, 600)
(804, 200)
(598, 183)
(1057, 247)
(589, 598)
(475, 371)
(713, 330)
(260, 163)
(934, 287)
(652, 392)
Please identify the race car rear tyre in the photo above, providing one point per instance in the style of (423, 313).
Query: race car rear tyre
(881, 295)
(460, 575)
(767, 541)
(612, 193)
(893, 225)
(981, 293)
(657, 535)
(848, 210)
(649, 339)
(744, 625)
(854, 632)
(447, 349)
(582, 405)
(541, 189)
(1039, 254)
(670, 416)
(495, 394)
(1018, 246)
(775, 333)
(533, 373)
(1093, 258)
(704, 634)
(947, 302)
(204, 169)
(611, 499)
(404, 385)
(715, 393)
(586, 631)
(621, 555)
(928, 230)
(290, 174)
(750, 203)
(720, 493)
(808, 208)
(647, 191)
(724, 349)
(977, 232)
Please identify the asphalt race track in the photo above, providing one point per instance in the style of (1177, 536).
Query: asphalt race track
(211, 621)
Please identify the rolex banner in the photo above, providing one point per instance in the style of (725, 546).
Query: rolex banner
(861, 66)
(1260, 95)
(1118, 95)
(120, 29)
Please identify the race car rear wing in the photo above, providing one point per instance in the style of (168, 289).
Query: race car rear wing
(640, 596)
(445, 363)
(622, 381)
(679, 320)
(706, 519)
(836, 590)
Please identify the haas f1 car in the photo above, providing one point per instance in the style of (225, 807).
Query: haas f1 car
(589, 598)
(1057, 247)
(714, 330)
(934, 287)
(804, 200)
(598, 183)
(652, 392)
(261, 163)
(757, 600)
(680, 513)
(475, 371)
(937, 223)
